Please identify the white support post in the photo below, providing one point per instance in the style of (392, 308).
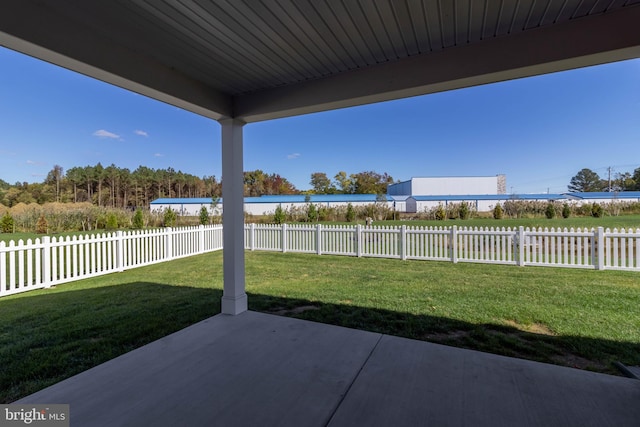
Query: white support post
(201, 239)
(252, 236)
(319, 239)
(521, 246)
(284, 238)
(119, 251)
(234, 297)
(403, 242)
(46, 261)
(168, 256)
(359, 240)
(454, 244)
(601, 248)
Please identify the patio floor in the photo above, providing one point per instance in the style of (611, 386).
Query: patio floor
(259, 369)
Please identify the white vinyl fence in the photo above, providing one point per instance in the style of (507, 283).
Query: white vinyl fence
(596, 248)
(50, 261)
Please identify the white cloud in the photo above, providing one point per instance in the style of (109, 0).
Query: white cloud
(105, 134)
(141, 133)
(158, 155)
(293, 156)
(33, 162)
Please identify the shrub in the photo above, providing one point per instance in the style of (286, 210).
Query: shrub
(440, 213)
(312, 213)
(550, 211)
(351, 213)
(497, 212)
(279, 216)
(7, 225)
(42, 225)
(204, 215)
(596, 210)
(463, 210)
(112, 221)
(566, 211)
(138, 219)
(170, 217)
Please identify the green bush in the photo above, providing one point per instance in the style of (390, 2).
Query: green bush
(170, 217)
(596, 210)
(351, 213)
(550, 211)
(279, 216)
(440, 213)
(204, 215)
(312, 213)
(112, 221)
(7, 225)
(498, 212)
(138, 219)
(566, 211)
(463, 211)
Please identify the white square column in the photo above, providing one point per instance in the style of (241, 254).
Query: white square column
(234, 297)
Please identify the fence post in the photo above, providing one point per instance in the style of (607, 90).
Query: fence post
(403, 242)
(454, 244)
(284, 238)
(252, 236)
(359, 240)
(168, 244)
(46, 261)
(521, 243)
(201, 239)
(319, 239)
(119, 251)
(600, 242)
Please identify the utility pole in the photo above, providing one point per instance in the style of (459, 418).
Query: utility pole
(609, 169)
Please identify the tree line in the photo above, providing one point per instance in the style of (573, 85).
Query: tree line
(109, 186)
(117, 187)
(587, 180)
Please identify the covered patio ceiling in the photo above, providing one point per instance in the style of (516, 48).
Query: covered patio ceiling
(260, 60)
(242, 61)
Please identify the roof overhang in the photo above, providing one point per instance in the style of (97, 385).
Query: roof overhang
(255, 69)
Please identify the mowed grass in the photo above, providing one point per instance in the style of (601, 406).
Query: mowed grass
(581, 318)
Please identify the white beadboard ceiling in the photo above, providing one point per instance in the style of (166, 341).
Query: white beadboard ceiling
(264, 59)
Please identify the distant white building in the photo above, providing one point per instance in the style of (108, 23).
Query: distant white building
(449, 185)
(267, 205)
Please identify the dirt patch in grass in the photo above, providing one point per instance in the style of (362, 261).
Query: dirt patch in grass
(534, 328)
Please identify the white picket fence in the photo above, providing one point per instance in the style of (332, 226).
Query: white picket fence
(578, 248)
(49, 261)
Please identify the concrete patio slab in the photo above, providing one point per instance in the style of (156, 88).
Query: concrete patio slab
(259, 369)
(413, 383)
(251, 369)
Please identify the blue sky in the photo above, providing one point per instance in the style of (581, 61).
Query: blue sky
(539, 131)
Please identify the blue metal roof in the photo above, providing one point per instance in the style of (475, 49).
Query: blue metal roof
(317, 198)
(184, 201)
(289, 198)
(606, 195)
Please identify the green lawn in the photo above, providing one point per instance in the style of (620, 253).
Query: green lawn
(581, 318)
